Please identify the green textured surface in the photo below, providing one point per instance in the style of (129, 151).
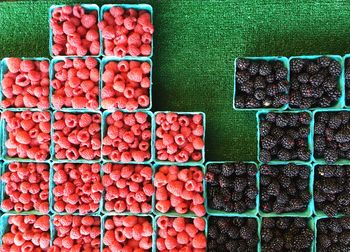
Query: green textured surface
(196, 42)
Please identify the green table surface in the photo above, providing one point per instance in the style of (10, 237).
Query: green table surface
(196, 42)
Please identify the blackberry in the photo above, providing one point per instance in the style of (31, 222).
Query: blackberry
(265, 69)
(282, 120)
(270, 78)
(304, 118)
(242, 64)
(215, 168)
(265, 156)
(296, 65)
(324, 61)
(287, 142)
(312, 68)
(227, 169)
(316, 80)
(247, 87)
(307, 90)
(239, 184)
(253, 69)
(284, 155)
(280, 100)
(259, 82)
(259, 94)
(281, 73)
(252, 103)
(268, 142)
(242, 77)
(330, 155)
(335, 68)
(303, 78)
(342, 136)
(240, 101)
(303, 154)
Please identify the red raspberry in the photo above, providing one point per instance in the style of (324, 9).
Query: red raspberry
(199, 241)
(199, 223)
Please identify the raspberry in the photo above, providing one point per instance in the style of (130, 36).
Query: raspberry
(179, 224)
(175, 187)
(163, 206)
(199, 241)
(170, 242)
(43, 223)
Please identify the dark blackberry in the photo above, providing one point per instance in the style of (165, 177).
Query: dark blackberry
(345, 117)
(287, 142)
(296, 65)
(268, 142)
(324, 61)
(253, 68)
(240, 168)
(306, 103)
(224, 182)
(304, 118)
(242, 77)
(265, 156)
(252, 103)
(270, 78)
(303, 131)
(272, 90)
(343, 135)
(247, 87)
(283, 86)
(282, 120)
(231, 246)
(312, 68)
(291, 170)
(210, 177)
(227, 169)
(270, 117)
(251, 193)
(259, 94)
(239, 184)
(325, 101)
(215, 168)
(280, 100)
(259, 82)
(319, 128)
(307, 90)
(284, 155)
(277, 132)
(265, 69)
(330, 155)
(334, 68)
(240, 101)
(213, 232)
(316, 80)
(303, 154)
(281, 73)
(330, 83)
(242, 64)
(303, 78)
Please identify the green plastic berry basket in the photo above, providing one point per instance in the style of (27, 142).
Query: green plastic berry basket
(172, 212)
(320, 213)
(5, 137)
(4, 70)
(88, 8)
(5, 227)
(346, 59)
(248, 213)
(316, 220)
(104, 211)
(322, 160)
(267, 58)
(341, 86)
(104, 133)
(110, 215)
(190, 162)
(310, 208)
(52, 76)
(138, 7)
(311, 225)
(106, 60)
(155, 232)
(3, 195)
(53, 229)
(258, 221)
(79, 160)
(260, 115)
(52, 197)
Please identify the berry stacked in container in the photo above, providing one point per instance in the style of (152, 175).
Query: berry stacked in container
(87, 166)
(303, 147)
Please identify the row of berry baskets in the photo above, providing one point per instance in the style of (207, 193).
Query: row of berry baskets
(284, 190)
(300, 82)
(110, 30)
(153, 229)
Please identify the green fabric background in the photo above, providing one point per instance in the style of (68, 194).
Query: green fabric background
(196, 42)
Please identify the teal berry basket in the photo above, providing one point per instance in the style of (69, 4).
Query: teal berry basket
(52, 186)
(320, 213)
(110, 215)
(319, 160)
(104, 211)
(346, 59)
(249, 213)
(258, 221)
(5, 137)
(53, 229)
(4, 70)
(54, 61)
(106, 60)
(3, 195)
(79, 160)
(285, 62)
(104, 133)
(341, 101)
(155, 232)
(318, 219)
(172, 212)
(138, 7)
(260, 115)
(190, 162)
(311, 225)
(88, 8)
(310, 208)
